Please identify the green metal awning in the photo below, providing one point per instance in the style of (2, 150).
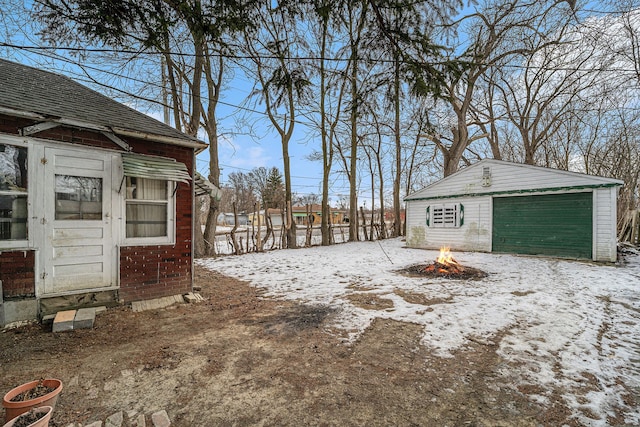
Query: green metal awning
(154, 168)
(206, 187)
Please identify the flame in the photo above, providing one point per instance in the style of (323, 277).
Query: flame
(445, 256)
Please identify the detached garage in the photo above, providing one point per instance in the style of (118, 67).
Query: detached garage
(497, 206)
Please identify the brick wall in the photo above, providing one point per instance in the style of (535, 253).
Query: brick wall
(17, 273)
(148, 272)
(145, 271)
(12, 125)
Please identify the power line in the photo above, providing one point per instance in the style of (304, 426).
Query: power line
(193, 55)
(33, 48)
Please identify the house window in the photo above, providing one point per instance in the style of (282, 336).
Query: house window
(149, 209)
(13, 193)
(445, 215)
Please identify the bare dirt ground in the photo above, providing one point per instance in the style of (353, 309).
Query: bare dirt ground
(241, 360)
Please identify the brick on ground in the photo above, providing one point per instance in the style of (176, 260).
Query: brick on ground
(85, 318)
(63, 321)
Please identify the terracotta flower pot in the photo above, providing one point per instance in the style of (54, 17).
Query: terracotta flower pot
(42, 422)
(13, 409)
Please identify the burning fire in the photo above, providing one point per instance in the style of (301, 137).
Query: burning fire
(445, 257)
(445, 263)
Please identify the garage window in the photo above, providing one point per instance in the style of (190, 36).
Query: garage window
(445, 215)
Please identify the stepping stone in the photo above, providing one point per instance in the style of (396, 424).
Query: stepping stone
(160, 419)
(190, 298)
(115, 420)
(193, 297)
(63, 321)
(85, 317)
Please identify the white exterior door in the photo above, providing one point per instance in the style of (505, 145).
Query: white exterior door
(78, 252)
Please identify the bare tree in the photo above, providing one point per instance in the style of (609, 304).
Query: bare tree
(281, 82)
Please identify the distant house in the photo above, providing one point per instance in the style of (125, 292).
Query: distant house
(96, 199)
(229, 219)
(302, 217)
(497, 206)
(275, 215)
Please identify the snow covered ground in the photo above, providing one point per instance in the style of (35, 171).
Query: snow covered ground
(567, 327)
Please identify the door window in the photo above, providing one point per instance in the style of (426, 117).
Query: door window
(78, 198)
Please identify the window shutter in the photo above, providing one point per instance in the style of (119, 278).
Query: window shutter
(428, 218)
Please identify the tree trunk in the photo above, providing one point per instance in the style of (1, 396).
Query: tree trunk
(236, 248)
(397, 224)
(259, 233)
(364, 223)
(353, 191)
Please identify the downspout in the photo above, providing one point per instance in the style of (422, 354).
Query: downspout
(194, 218)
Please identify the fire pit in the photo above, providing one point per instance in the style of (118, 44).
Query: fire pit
(445, 266)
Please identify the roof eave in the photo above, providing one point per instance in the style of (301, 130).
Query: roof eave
(199, 146)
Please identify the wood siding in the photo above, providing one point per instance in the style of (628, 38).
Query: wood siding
(604, 218)
(506, 179)
(473, 235)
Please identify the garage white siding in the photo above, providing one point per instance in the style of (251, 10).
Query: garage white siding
(473, 235)
(475, 188)
(605, 239)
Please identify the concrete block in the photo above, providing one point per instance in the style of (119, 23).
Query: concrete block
(100, 309)
(19, 310)
(160, 419)
(190, 298)
(157, 303)
(84, 319)
(63, 321)
(137, 306)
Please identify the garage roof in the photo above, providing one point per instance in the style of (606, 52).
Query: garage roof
(498, 177)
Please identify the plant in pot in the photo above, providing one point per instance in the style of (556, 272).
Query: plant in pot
(36, 417)
(42, 392)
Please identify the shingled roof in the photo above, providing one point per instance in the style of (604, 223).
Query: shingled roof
(37, 93)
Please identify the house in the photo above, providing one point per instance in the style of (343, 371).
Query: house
(301, 216)
(96, 199)
(275, 215)
(498, 206)
(229, 219)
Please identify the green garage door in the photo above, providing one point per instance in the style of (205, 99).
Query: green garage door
(557, 225)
